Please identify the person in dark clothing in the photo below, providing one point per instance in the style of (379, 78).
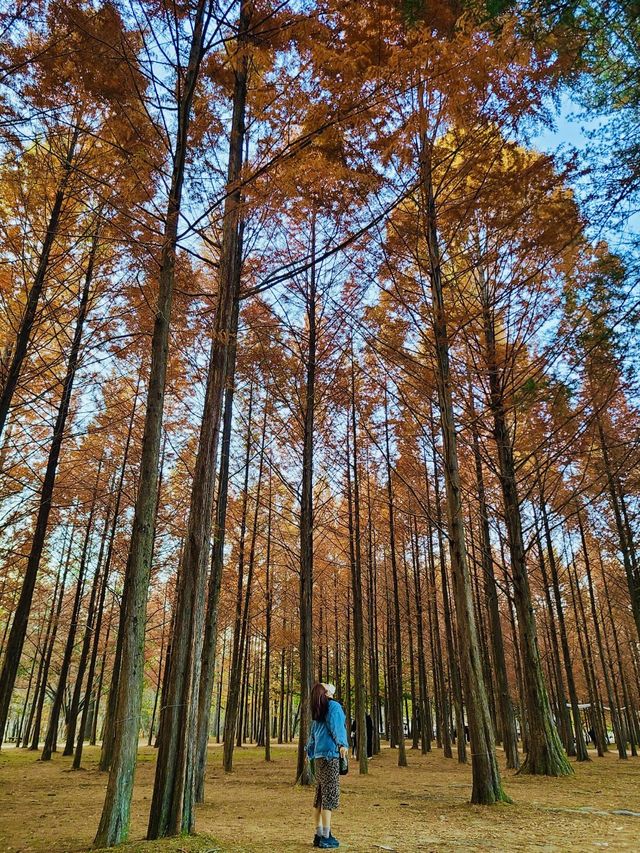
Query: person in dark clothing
(354, 737)
(369, 723)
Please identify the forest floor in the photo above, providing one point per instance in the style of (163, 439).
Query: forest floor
(257, 809)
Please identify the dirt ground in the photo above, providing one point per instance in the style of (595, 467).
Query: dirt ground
(424, 807)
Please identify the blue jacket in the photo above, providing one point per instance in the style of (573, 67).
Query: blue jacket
(327, 734)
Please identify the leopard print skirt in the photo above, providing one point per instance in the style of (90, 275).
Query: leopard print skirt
(328, 787)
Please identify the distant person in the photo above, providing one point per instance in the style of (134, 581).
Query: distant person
(327, 743)
(354, 737)
(369, 723)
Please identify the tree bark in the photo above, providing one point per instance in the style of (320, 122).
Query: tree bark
(161, 664)
(56, 706)
(303, 773)
(442, 709)
(633, 579)
(174, 795)
(600, 646)
(114, 822)
(232, 723)
(581, 747)
(38, 652)
(18, 631)
(215, 577)
(507, 715)
(415, 725)
(107, 740)
(96, 704)
(426, 722)
(266, 694)
(456, 685)
(587, 659)
(486, 787)
(555, 667)
(374, 672)
(396, 661)
(74, 708)
(19, 349)
(93, 631)
(47, 650)
(545, 755)
(630, 734)
(356, 584)
(234, 685)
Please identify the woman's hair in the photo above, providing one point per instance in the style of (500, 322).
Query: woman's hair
(319, 702)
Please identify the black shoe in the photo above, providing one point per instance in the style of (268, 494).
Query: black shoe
(316, 840)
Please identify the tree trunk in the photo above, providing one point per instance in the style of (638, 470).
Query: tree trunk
(47, 649)
(633, 581)
(630, 734)
(56, 706)
(281, 714)
(107, 740)
(174, 796)
(587, 659)
(581, 747)
(487, 787)
(374, 673)
(219, 690)
(303, 773)
(483, 630)
(507, 716)
(35, 737)
(555, 667)
(545, 755)
(415, 726)
(215, 577)
(114, 823)
(38, 652)
(18, 631)
(596, 625)
(456, 685)
(426, 722)
(266, 695)
(442, 710)
(396, 662)
(19, 349)
(93, 630)
(96, 704)
(356, 584)
(241, 634)
(234, 687)
(96, 587)
(161, 663)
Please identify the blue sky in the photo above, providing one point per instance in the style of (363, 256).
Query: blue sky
(571, 132)
(571, 127)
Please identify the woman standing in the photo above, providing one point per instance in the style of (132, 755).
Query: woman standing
(327, 742)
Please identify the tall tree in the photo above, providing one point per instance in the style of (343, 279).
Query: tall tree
(487, 786)
(303, 773)
(174, 789)
(18, 631)
(114, 822)
(355, 536)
